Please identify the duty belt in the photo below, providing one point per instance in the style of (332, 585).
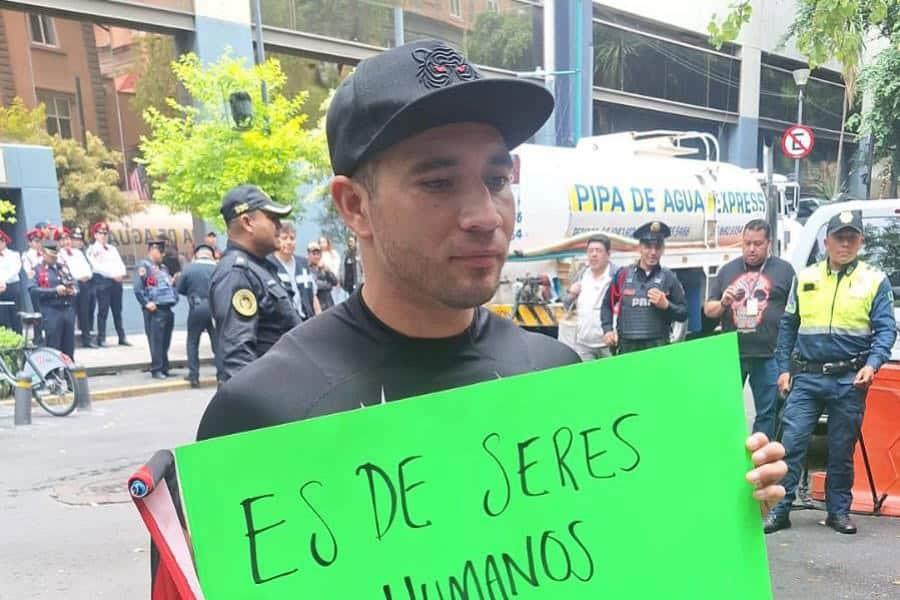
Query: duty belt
(839, 367)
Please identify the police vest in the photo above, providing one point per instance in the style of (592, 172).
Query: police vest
(837, 305)
(159, 286)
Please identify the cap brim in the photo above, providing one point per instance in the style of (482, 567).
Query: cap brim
(855, 228)
(277, 209)
(517, 109)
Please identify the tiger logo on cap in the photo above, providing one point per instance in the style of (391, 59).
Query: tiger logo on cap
(441, 66)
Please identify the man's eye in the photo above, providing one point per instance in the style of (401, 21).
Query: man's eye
(497, 182)
(437, 185)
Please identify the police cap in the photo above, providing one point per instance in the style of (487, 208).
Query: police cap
(246, 198)
(204, 248)
(158, 244)
(654, 231)
(846, 219)
(50, 247)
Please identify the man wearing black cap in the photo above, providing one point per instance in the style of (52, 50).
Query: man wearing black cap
(194, 285)
(53, 290)
(646, 298)
(420, 146)
(250, 306)
(836, 332)
(154, 290)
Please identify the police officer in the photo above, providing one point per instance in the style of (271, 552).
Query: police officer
(53, 291)
(251, 308)
(156, 294)
(837, 330)
(295, 273)
(109, 272)
(10, 272)
(80, 269)
(194, 285)
(645, 297)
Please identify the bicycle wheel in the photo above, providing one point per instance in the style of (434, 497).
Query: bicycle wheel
(56, 394)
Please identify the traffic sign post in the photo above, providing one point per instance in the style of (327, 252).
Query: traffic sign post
(798, 141)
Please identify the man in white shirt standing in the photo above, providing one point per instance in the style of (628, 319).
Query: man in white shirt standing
(10, 270)
(588, 291)
(32, 257)
(109, 272)
(80, 269)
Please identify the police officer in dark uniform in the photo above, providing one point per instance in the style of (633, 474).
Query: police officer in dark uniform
(194, 285)
(156, 294)
(53, 291)
(645, 297)
(250, 306)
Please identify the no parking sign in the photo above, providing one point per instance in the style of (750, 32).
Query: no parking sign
(797, 141)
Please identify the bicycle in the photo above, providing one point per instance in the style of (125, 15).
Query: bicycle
(51, 371)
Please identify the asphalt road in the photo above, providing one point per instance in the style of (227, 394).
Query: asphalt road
(68, 530)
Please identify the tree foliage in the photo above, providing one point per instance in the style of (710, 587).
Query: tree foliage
(501, 40)
(86, 175)
(881, 79)
(88, 181)
(155, 80)
(197, 155)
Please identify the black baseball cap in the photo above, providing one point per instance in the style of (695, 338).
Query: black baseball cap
(410, 89)
(846, 219)
(206, 247)
(245, 198)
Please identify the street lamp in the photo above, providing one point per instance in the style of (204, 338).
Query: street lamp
(801, 78)
(241, 110)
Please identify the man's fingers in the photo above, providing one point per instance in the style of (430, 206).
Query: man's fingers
(768, 474)
(756, 441)
(770, 452)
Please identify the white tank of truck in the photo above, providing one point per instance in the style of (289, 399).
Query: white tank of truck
(613, 184)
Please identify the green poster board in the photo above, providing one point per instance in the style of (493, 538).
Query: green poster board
(622, 478)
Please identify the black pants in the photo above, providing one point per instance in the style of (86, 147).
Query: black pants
(59, 327)
(626, 346)
(84, 309)
(158, 325)
(9, 315)
(109, 297)
(199, 320)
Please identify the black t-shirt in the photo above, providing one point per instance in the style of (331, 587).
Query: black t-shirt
(346, 359)
(757, 329)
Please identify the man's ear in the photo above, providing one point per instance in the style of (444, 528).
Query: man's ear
(352, 200)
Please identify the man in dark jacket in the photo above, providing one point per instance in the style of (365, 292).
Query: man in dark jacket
(251, 309)
(155, 291)
(194, 285)
(325, 279)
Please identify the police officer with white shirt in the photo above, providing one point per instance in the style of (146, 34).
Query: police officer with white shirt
(80, 269)
(109, 272)
(10, 284)
(31, 258)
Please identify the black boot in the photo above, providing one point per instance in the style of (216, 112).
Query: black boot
(775, 522)
(841, 524)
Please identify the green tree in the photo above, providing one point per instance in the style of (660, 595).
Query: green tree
(881, 80)
(156, 81)
(197, 155)
(501, 40)
(612, 50)
(88, 181)
(86, 175)
(19, 124)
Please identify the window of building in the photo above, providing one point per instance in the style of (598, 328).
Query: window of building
(455, 9)
(59, 113)
(43, 30)
(779, 94)
(492, 5)
(649, 65)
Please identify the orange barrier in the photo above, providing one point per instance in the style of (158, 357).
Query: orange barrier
(881, 433)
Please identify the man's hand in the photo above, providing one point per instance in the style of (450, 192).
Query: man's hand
(728, 296)
(784, 384)
(864, 378)
(575, 289)
(658, 299)
(611, 339)
(61, 290)
(150, 306)
(769, 470)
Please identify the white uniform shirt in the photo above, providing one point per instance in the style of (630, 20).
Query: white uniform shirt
(10, 266)
(30, 260)
(105, 260)
(77, 262)
(593, 289)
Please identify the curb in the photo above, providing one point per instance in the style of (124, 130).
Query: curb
(136, 391)
(141, 366)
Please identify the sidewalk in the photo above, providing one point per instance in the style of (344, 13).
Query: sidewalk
(137, 356)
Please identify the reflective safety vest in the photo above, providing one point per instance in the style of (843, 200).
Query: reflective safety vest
(837, 303)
